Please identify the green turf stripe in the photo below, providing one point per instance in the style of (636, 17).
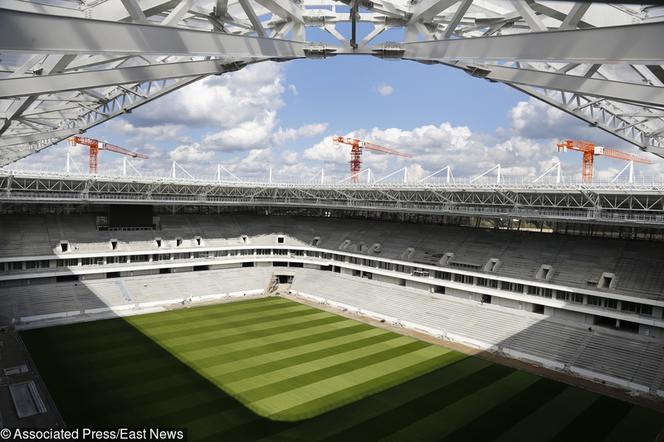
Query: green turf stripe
(199, 417)
(547, 420)
(228, 325)
(317, 393)
(200, 326)
(266, 391)
(295, 372)
(149, 372)
(122, 393)
(454, 366)
(285, 335)
(213, 310)
(242, 330)
(596, 421)
(237, 340)
(640, 424)
(220, 317)
(133, 348)
(286, 325)
(107, 332)
(242, 363)
(448, 419)
(214, 428)
(367, 388)
(169, 402)
(145, 368)
(220, 314)
(205, 311)
(285, 342)
(499, 419)
(54, 341)
(409, 412)
(253, 370)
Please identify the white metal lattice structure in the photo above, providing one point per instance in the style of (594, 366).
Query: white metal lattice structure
(639, 204)
(69, 65)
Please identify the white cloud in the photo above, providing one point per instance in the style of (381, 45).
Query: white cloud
(293, 89)
(256, 161)
(290, 157)
(246, 135)
(138, 136)
(538, 120)
(326, 150)
(384, 89)
(423, 139)
(306, 131)
(416, 172)
(190, 154)
(223, 101)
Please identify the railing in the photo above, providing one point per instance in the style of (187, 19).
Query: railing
(472, 209)
(650, 183)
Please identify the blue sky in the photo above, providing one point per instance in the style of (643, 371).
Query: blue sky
(343, 90)
(283, 115)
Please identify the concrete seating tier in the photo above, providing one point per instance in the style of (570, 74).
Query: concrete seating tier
(576, 261)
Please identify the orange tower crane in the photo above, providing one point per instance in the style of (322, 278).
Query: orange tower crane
(96, 145)
(590, 150)
(356, 148)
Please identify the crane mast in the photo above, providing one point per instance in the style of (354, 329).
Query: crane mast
(356, 148)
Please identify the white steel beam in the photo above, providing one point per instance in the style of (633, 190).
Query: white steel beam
(33, 33)
(253, 18)
(634, 44)
(173, 18)
(52, 64)
(116, 10)
(284, 9)
(528, 15)
(32, 143)
(48, 84)
(134, 10)
(221, 9)
(426, 10)
(456, 18)
(615, 90)
(574, 16)
(592, 121)
(40, 8)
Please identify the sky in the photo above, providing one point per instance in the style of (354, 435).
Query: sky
(282, 116)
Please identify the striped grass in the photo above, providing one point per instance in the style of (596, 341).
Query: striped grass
(272, 369)
(283, 360)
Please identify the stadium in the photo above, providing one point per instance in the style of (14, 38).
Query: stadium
(358, 307)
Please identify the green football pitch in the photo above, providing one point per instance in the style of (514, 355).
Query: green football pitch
(273, 369)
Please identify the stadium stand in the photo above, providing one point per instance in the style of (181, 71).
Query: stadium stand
(636, 363)
(49, 299)
(576, 261)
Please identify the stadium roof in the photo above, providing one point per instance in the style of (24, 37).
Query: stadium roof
(67, 66)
